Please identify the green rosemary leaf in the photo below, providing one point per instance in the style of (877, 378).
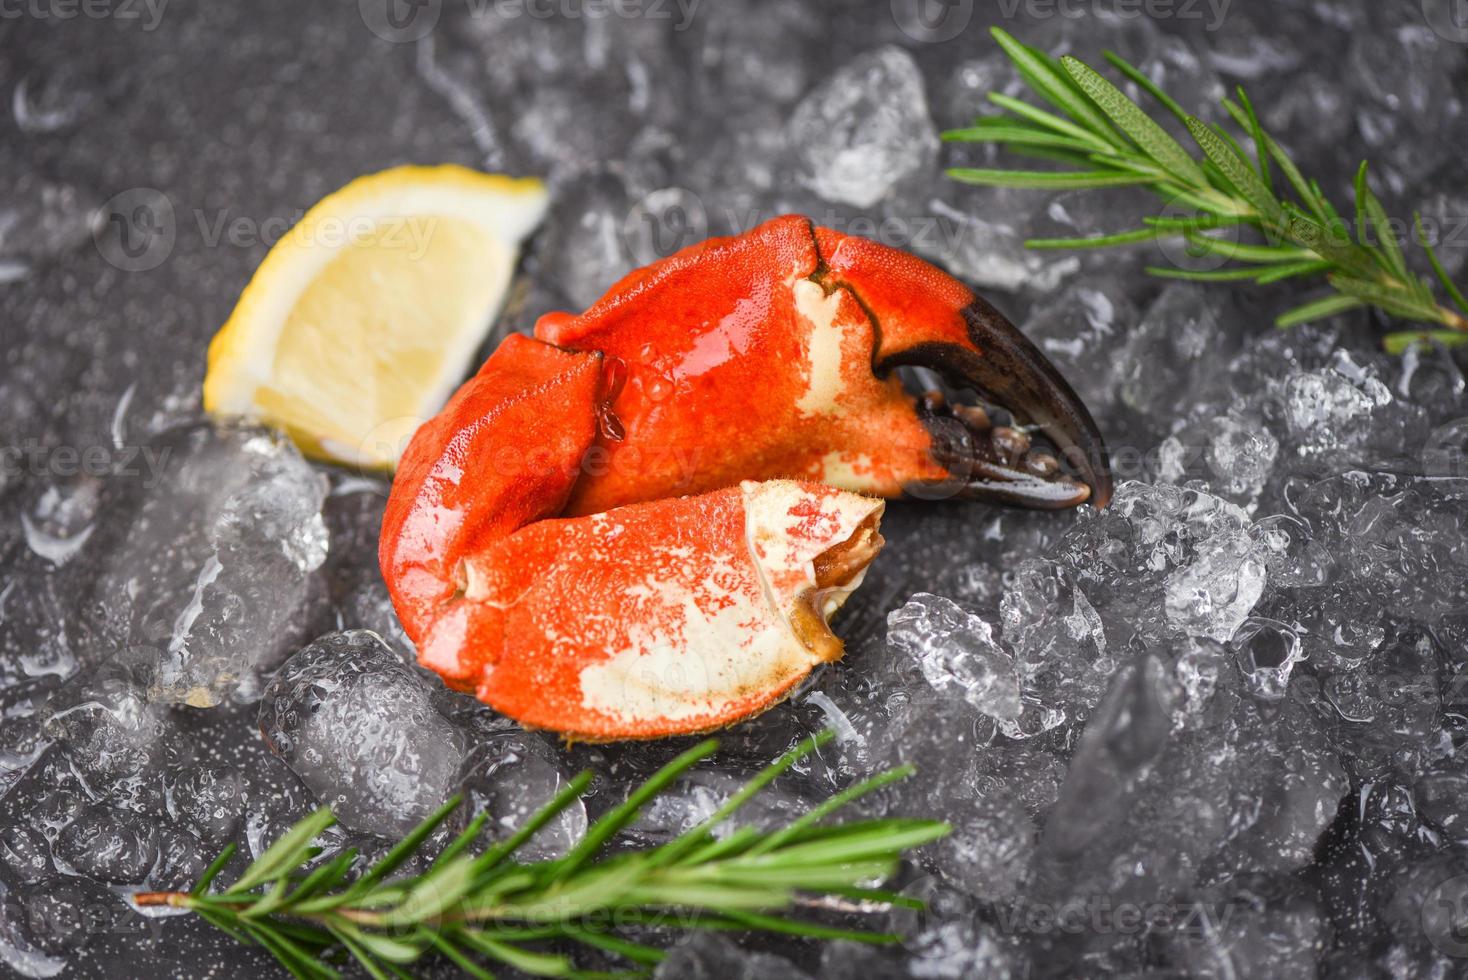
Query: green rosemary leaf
(1291, 270)
(1371, 214)
(1052, 180)
(1049, 120)
(362, 955)
(820, 876)
(1207, 275)
(329, 875)
(221, 921)
(1149, 86)
(875, 839)
(620, 816)
(1020, 135)
(217, 865)
(568, 795)
(812, 930)
(1199, 223)
(535, 964)
(1127, 116)
(1054, 86)
(409, 845)
(381, 946)
(1451, 288)
(451, 952)
(625, 948)
(466, 839)
(1329, 242)
(1099, 241)
(292, 957)
(834, 803)
(1256, 132)
(1237, 171)
(1396, 343)
(672, 851)
(1394, 301)
(434, 893)
(1242, 252)
(285, 854)
(1317, 310)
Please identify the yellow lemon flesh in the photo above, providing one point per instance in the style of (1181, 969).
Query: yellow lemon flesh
(363, 319)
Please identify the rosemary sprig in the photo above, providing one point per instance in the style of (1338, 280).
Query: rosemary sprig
(1109, 140)
(479, 908)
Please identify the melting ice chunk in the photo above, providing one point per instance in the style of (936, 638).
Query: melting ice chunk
(957, 652)
(865, 128)
(361, 730)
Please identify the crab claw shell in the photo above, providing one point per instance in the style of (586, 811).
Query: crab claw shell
(927, 318)
(665, 618)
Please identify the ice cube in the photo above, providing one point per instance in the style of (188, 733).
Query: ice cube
(361, 730)
(982, 239)
(508, 777)
(108, 723)
(109, 845)
(216, 558)
(957, 653)
(211, 799)
(62, 520)
(1212, 594)
(1081, 329)
(1267, 651)
(865, 129)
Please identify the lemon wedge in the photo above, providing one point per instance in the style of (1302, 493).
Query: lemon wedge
(363, 318)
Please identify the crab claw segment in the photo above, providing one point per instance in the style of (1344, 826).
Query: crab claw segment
(770, 354)
(929, 319)
(667, 617)
(505, 451)
(670, 617)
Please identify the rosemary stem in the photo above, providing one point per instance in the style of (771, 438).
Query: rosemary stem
(179, 900)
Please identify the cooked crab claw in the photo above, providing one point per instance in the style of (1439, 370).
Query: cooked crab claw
(773, 353)
(640, 523)
(666, 617)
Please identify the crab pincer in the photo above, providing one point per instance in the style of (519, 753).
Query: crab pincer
(640, 523)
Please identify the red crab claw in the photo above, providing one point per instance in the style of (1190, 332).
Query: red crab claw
(771, 354)
(666, 617)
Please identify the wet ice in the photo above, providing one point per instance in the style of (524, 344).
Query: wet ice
(1239, 688)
